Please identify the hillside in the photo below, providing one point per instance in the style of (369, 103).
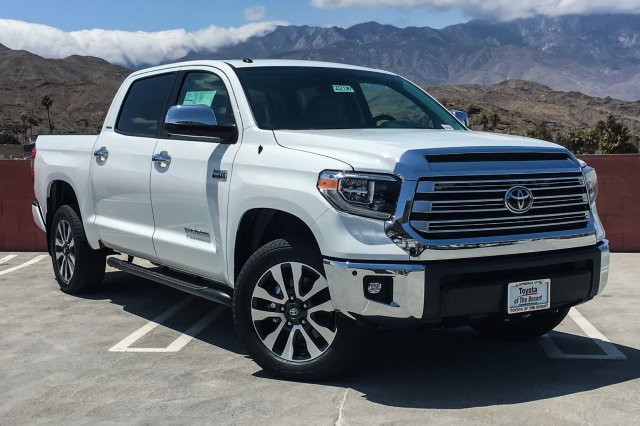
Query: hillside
(598, 55)
(523, 104)
(82, 88)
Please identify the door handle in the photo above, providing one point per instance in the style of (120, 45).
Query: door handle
(162, 160)
(101, 154)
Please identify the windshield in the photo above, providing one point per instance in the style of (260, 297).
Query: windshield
(304, 98)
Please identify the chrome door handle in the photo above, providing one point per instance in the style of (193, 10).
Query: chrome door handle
(101, 154)
(162, 160)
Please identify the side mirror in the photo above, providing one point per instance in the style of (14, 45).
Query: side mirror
(462, 117)
(199, 122)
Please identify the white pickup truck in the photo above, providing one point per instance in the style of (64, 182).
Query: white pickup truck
(313, 196)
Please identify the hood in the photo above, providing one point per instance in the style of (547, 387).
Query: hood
(393, 150)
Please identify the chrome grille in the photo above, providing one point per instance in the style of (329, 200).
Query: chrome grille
(455, 207)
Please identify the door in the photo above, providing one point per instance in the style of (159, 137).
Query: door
(190, 182)
(121, 168)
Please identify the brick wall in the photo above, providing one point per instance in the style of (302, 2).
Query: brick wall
(619, 198)
(18, 232)
(618, 203)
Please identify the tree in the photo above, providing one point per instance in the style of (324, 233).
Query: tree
(580, 141)
(46, 102)
(541, 131)
(484, 122)
(495, 120)
(614, 137)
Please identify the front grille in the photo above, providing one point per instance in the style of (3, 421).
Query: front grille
(474, 206)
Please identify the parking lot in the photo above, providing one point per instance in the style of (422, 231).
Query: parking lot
(138, 352)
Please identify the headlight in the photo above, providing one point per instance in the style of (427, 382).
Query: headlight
(592, 183)
(369, 195)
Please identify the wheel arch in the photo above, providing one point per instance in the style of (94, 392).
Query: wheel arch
(60, 193)
(258, 226)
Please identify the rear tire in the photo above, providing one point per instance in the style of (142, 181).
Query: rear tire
(77, 267)
(519, 328)
(283, 314)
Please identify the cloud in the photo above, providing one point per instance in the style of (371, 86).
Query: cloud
(257, 12)
(125, 47)
(497, 9)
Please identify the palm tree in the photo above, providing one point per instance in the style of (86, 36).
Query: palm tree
(46, 103)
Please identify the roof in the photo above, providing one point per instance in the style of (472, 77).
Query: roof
(239, 63)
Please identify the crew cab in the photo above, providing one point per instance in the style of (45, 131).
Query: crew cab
(312, 197)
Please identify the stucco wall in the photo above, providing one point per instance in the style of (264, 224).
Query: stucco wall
(618, 203)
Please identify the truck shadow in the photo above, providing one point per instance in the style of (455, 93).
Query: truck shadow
(458, 368)
(448, 369)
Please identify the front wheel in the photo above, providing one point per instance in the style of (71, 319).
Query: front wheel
(521, 328)
(283, 313)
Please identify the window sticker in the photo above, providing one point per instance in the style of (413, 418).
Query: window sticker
(447, 127)
(342, 88)
(200, 97)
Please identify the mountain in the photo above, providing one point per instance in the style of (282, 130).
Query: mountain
(598, 55)
(81, 89)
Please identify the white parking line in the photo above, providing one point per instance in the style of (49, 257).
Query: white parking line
(176, 345)
(610, 350)
(25, 264)
(7, 258)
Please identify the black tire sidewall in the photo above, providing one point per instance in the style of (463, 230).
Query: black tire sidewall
(89, 263)
(326, 365)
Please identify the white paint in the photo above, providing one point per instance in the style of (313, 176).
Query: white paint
(124, 344)
(611, 352)
(7, 258)
(340, 420)
(176, 345)
(23, 265)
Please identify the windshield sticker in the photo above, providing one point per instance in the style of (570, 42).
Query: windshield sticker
(342, 88)
(447, 127)
(200, 97)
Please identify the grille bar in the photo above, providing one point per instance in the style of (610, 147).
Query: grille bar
(472, 206)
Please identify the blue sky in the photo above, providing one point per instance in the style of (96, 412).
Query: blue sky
(155, 15)
(147, 32)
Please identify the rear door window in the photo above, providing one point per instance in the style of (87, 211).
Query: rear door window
(144, 104)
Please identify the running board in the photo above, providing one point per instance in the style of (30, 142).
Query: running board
(205, 292)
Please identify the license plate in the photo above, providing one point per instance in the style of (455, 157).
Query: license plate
(528, 296)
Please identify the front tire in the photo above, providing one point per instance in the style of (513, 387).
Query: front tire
(77, 267)
(521, 328)
(283, 313)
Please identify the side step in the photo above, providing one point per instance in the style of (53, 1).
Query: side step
(205, 292)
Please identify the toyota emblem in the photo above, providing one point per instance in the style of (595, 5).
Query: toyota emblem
(293, 312)
(518, 200)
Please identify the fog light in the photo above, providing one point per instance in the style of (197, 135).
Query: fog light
(374, 287)
(378, 288)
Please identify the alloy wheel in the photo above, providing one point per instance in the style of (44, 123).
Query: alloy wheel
(65, 250)
(292, 312)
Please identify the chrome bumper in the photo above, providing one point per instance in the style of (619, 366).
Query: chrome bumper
(604, 265)
(346, 286)
(347, 294)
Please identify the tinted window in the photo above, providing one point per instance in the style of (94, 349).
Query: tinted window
(334, 98)
(201, 88)
(144, 104)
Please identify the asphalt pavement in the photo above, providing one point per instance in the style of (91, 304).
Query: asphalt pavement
(140, 353)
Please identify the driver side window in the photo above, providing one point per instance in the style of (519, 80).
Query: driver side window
(386, 103)
(201, 88)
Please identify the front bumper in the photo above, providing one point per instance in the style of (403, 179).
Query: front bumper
(466, 288)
